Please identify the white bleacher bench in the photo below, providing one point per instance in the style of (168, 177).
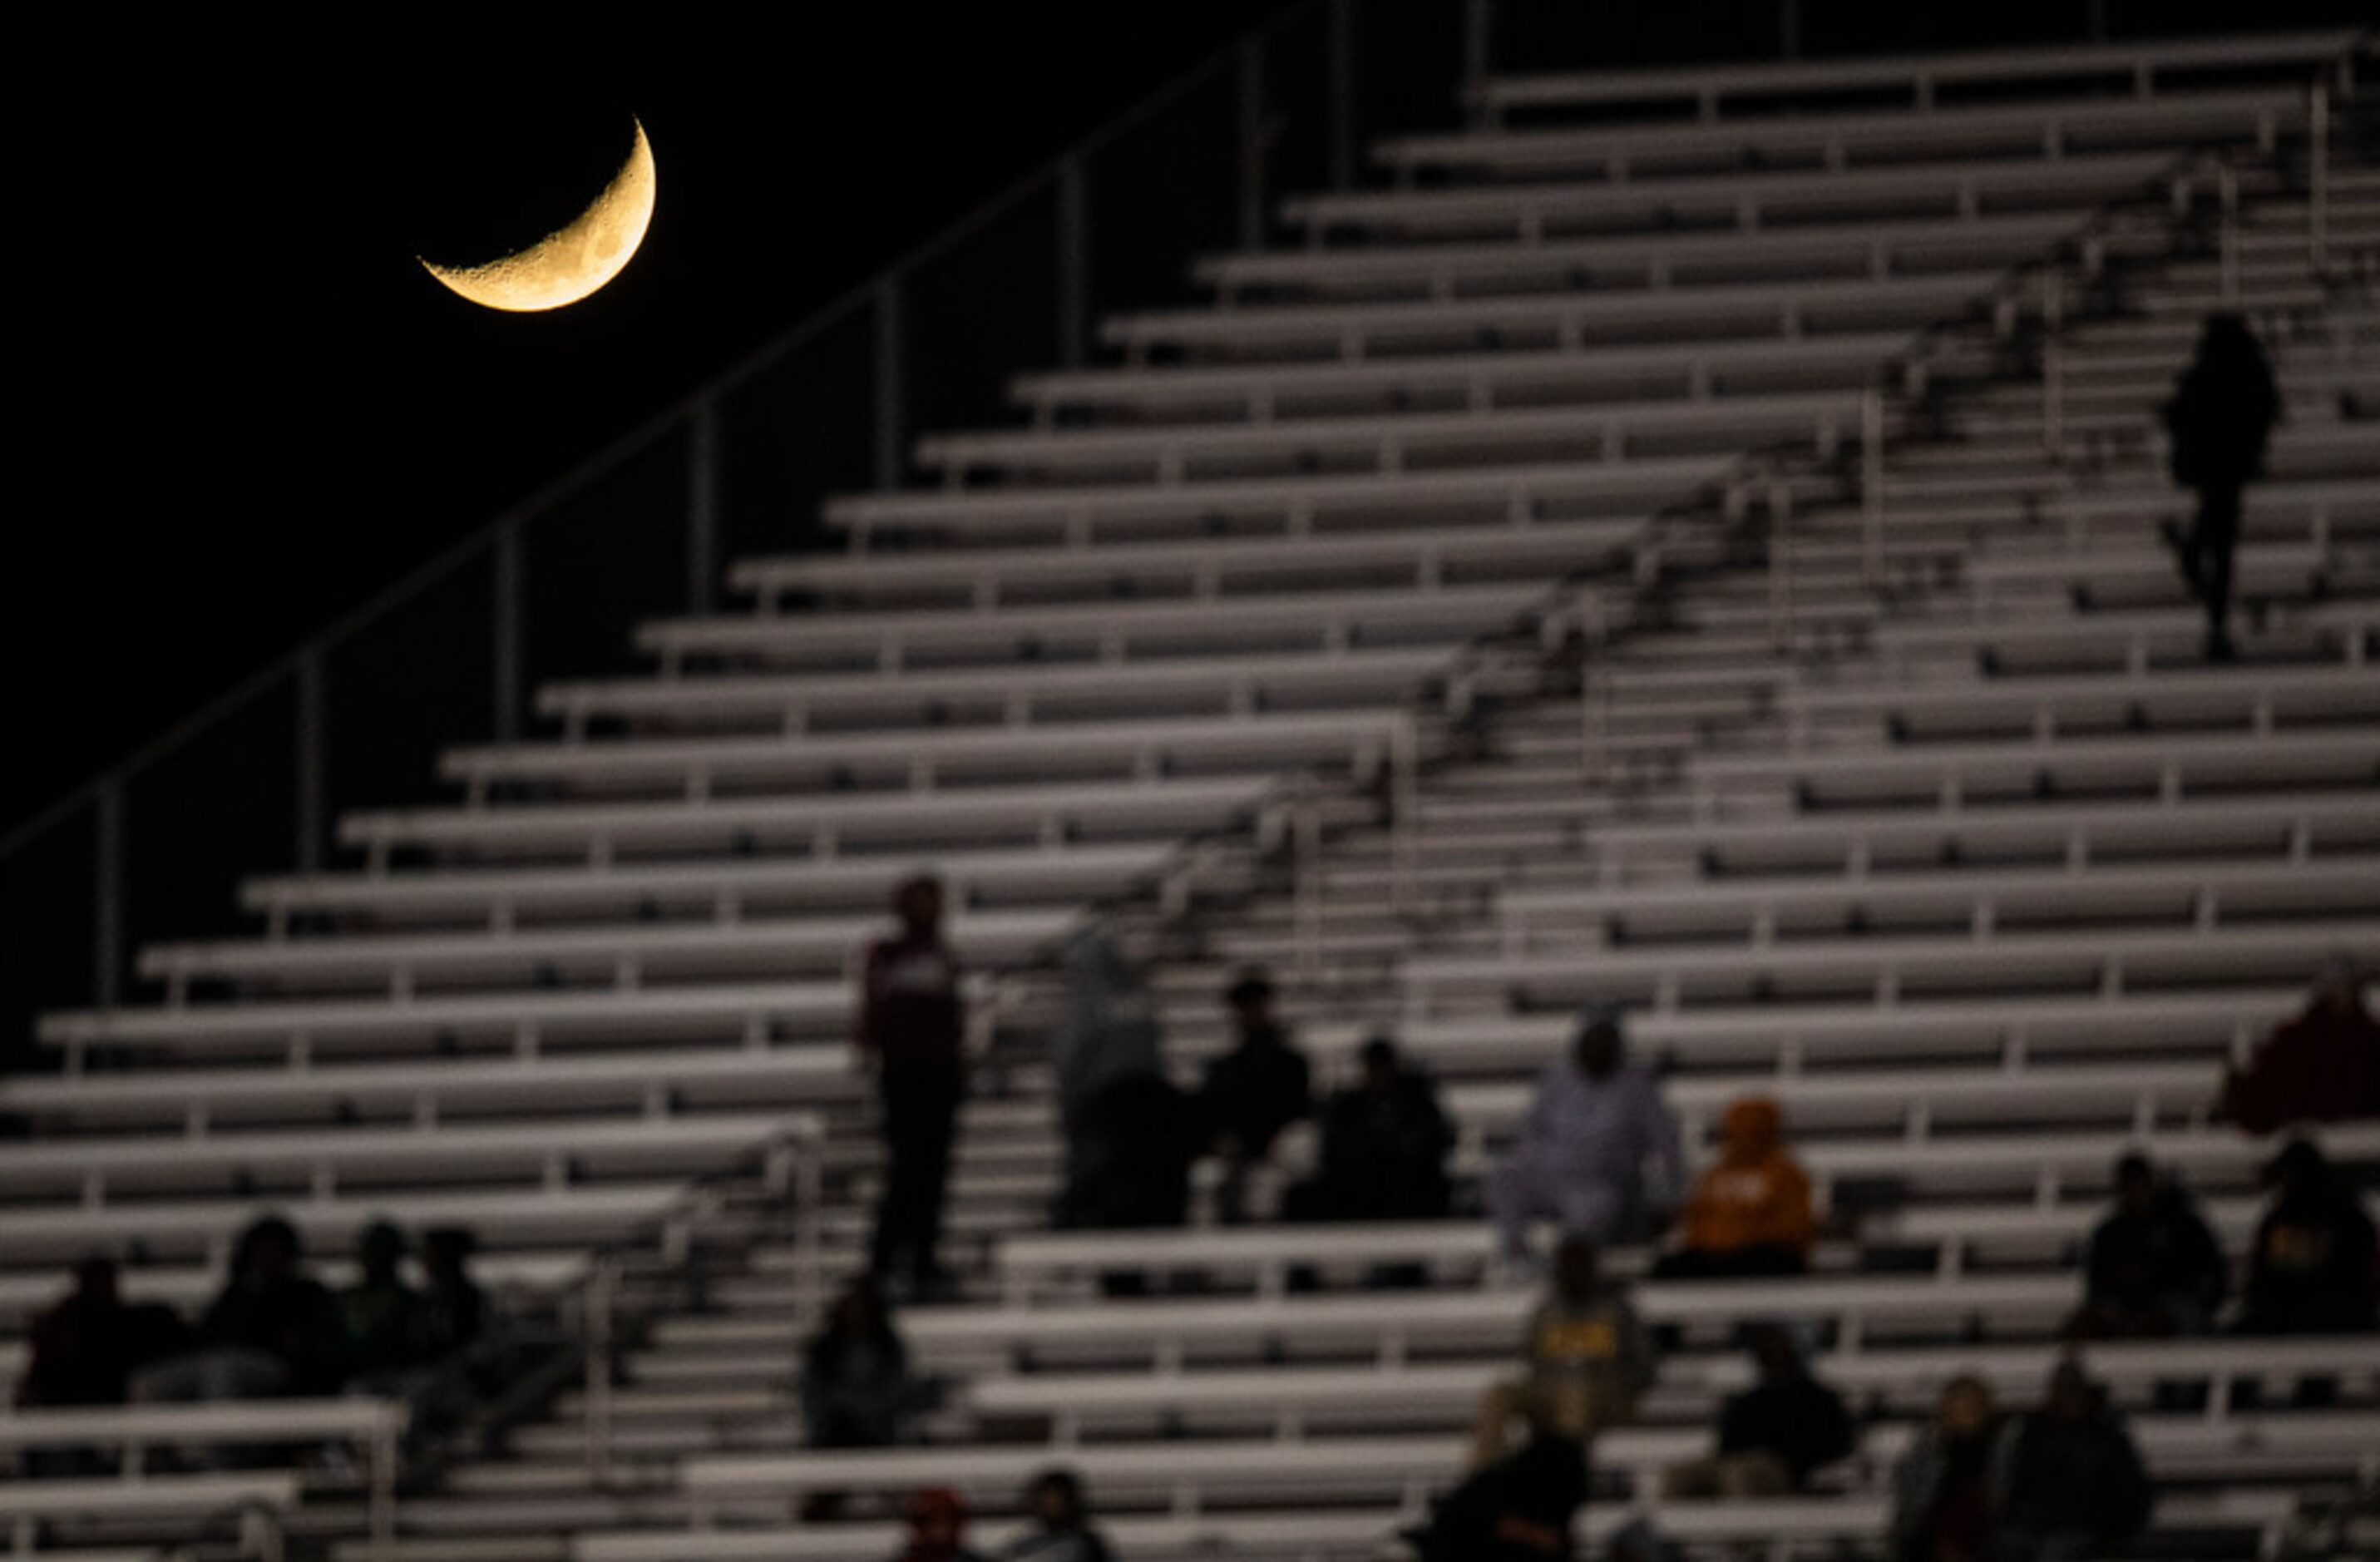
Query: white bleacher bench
(1110, 631)
(1010, 696)
(2136, 640)
(1842, 138)
(2138, 62)
(2046, 705)
(255, 1499)
(921, 760)
(725, 891)
(1567, 321)
(1528, 211)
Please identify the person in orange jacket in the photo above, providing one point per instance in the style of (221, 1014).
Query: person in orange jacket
(1750, 1211)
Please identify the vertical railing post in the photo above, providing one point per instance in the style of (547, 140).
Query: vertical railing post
(601, 1300)
(1250, 139)
(1478, 24)
(1872, 486)
(2318, 177)
(1405, 804)
(2095, 21)
(890, 424)
(312, 713)
(2053, 364)
(507, 632)
(1074, 261)
(1305, 878)
(701, 505)
(2226, 196)
(1780, 567)
(107, 901)
(1788, 30)
(1339, 45)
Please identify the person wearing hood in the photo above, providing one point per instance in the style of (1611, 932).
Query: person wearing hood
(1251, 1092)
(2314, 1268)
(2152, 1268)
(2220, 422)
(1773, 1435)
(2071, 1482)
(1749, 1213)
(1384, 1144)
(1596, 1123)
(1946, 1489)
(1107, 1050)
(2323, 1066)
(938, 1519)
(1518, 1509)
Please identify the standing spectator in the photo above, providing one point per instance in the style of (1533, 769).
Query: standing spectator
(271, 1331)
(2219, 420)
(1061, 1523)
(2072, 1481)
(1519, 1508)
(379, 1316)
(1588, 1362)
(1109, 1040)
(2323, 1066)
(2152, 1267)
(1384, 1144)
(912, 1024)
(1253, 1091)
(85, 1348)
(1750, 1211)
(1773, 1435)
(2312, 1269)
(938, 1519)
(1946, 1488)
(857, 1392)
(1596, 1120)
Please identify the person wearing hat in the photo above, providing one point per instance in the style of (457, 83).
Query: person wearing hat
(2312, 1270)
(1581, 1162)
(911, 1028)
(2323, 1066)
(1253, 1091)
(1750, 1211)
(938, 1519)
(1588, 1361)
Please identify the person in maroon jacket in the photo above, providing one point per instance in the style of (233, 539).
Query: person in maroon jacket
(912, 1027)
(2323, 1066)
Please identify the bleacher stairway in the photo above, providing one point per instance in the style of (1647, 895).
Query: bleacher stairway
(1711, 567)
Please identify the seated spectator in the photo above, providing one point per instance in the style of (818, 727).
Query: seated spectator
(1141, 1138)
(459, 1327)
(84, 1348)
(1061, 1525)
(271, 1331)
(1773, 1435)
(857, 1392)
(1596, 1120)
(2323, 1066)
(1110, 1039)
(938, 1519)
(2072, 1482)
(1519, 1508)
(1946, 1488)
(2152, 1268)
(1252, 1092)
(1588, 1362)
(1750, 1211)
(1384, 1144)
(2311, 1270)
(379, 1316)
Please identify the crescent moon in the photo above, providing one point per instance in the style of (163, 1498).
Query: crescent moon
(576, 259)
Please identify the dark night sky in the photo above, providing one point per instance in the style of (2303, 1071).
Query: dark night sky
(251, 407)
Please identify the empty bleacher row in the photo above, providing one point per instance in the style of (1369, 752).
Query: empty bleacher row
(1942, 838)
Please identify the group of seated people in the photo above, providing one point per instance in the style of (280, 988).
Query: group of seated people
(274, 1332)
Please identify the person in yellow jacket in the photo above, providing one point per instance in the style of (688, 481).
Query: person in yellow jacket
(1750, 1211)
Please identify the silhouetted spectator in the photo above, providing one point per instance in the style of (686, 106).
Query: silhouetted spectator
(2152, 1268)
(1061, 1523)
(1110, 1038)
(2219, 420)
(1144, 1135)
(84, 1348)
(458, 1323)
(1384, 1144)
(1517, 1508)
(856, 1391)
(1253, 1091)
(1588, 1361)
(912, 1024)
(2312, 1268)
(1774, 1433)
(1946, 1489)
(2072, 1479)
(2323, 1066)
(379, 1315)
(937, 1529)
(1749, 1213)
(271, 1331)
(1598, 1118)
